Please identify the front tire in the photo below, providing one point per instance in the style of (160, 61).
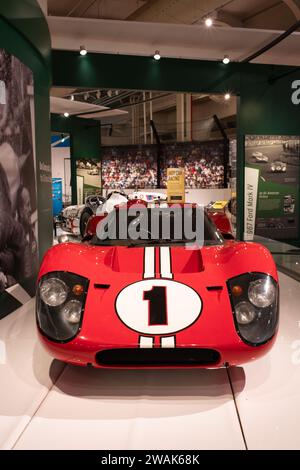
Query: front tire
(84, 217)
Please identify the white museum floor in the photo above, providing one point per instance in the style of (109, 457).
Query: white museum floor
(45, 404)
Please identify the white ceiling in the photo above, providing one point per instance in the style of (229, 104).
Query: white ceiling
(62, 105)
(173, 40)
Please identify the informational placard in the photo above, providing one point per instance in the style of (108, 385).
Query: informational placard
(175, 185)
(251, 185)
(272, 162)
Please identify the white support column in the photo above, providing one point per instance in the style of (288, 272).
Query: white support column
(188, 116)
(180, 117)
(145, 118)
(150, 116)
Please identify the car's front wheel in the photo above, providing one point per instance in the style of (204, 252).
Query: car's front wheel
(84, 217)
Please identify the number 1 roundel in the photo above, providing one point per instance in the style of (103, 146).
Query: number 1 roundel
(158, 306)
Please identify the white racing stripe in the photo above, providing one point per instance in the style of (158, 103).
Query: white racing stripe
(146, 342)
(167, 342)
(149, 262)
(165, 262)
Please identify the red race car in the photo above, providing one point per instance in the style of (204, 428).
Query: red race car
(129, 302)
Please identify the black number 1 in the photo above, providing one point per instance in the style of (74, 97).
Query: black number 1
(157, 298)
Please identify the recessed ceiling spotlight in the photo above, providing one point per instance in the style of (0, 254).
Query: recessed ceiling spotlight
(226, 59)
(208, 22)
(227, 96)
(83, 50)
(156, 55)
(66, 114)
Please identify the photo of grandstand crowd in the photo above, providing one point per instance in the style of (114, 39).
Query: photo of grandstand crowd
(203, 163)
(129, 167)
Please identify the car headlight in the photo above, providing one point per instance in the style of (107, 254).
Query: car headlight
(245, 313)
(53, 291)
(60, 305)
(262, 292)
(72, 311)
(254, 301)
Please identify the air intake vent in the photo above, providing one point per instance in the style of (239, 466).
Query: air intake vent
(162, 357)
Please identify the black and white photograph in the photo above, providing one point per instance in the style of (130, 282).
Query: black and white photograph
(18, 205)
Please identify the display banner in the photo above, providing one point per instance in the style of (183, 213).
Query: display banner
(251, 185)
(18, 202)
(203, 163)
(90, 172)
(175, 185)
(276, 160)
(129, 167)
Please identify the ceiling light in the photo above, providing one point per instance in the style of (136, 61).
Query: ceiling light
(226, 59)
(227, 96)
(156, 55)
(66, 114)
(116, 92)
(208, 22)
(109, 93)
(83, 50)
(72, 97)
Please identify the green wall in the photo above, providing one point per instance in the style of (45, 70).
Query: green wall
(85, 141)
(24, 33)
(264, 104)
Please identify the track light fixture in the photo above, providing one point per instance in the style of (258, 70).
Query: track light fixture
(83, 50)
(226, 59)
(156, 55)
(208, 22)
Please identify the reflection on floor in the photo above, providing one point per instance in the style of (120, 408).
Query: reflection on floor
(47, 405)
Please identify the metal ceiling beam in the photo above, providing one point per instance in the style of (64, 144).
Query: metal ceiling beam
(75, 7)
(177, 11)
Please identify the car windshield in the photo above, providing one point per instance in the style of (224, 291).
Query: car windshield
(160, 228)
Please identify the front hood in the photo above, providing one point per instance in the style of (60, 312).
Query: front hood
(221, 262)
(132, 260)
